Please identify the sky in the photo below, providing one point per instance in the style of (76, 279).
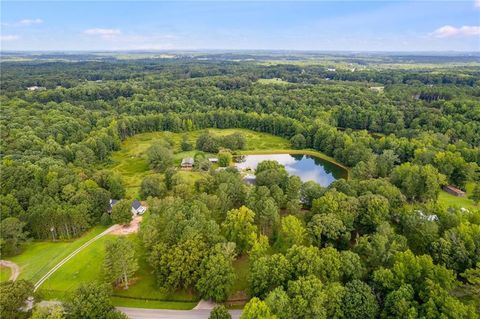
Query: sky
(336, 25)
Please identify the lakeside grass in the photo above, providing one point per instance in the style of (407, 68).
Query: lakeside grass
(39, 257)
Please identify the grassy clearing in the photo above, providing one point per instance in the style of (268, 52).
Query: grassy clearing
(272, 81)
(5, 273)
(454, 201)
(39, 257)
(241, 270)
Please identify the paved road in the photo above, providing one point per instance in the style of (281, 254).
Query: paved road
(140, 313)
(73, 254)
(13, 267)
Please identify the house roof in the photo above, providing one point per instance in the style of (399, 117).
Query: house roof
(250, 179)
(136, 204)
(453, 189)
(112, 203)
(188, 161)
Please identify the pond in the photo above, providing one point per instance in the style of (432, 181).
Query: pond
(308, 168)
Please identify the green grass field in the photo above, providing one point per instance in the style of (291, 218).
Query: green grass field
(152, 304)
(272, 81)
(87, 266)
(241, 270)
(39, 257)
(4, 274)
(455, 201)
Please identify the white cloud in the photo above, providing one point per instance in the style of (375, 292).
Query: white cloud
(477, 3)
(105, 33)
(448, 31)
(23, 23)
(9, 37)
(28, 22)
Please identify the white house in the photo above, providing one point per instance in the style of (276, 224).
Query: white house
(137, 208)
(36, 88)
(249, 179)
(112, 203)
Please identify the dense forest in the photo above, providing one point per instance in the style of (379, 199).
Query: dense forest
(378, 245)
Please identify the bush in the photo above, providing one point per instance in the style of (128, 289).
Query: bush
(220, 312)
(298, 141)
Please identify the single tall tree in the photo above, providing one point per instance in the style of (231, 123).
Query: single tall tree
(122, 212)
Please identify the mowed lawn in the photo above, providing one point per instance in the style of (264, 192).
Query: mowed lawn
(4, 273)
(38, 258)
(450, 200)
(130, 161)
(88, 266)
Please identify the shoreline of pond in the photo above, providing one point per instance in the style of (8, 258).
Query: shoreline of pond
(306, 152)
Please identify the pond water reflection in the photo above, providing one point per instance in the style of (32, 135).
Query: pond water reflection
(308, 168)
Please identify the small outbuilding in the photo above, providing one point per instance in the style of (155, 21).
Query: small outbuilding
(213, 160)
(187, 163)
(453, 190)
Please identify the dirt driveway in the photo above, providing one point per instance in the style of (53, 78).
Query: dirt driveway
(13, 267)
(128, 229)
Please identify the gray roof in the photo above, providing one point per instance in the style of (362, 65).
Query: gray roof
(250, 179)
(188, 161)
(112, 203)
(136, 204)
